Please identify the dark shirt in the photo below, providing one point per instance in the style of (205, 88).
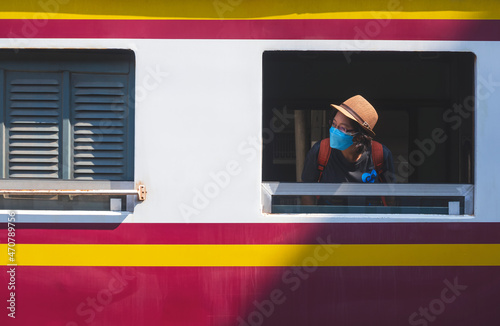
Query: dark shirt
(339, 169)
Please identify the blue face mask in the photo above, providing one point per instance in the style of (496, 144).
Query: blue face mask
(339, 140)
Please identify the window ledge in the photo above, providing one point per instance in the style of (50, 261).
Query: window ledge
(466, 191)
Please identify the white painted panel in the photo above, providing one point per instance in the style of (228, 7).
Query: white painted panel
(198, 116)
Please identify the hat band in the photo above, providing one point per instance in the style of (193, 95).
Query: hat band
(355, 115)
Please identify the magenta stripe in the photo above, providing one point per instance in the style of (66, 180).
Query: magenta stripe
(257, 233)
(322, 29)
(218, 296)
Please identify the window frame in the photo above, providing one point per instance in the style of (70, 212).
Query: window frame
(466, 191)
(100, 62)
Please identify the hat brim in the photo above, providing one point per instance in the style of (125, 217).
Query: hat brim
(347, 114)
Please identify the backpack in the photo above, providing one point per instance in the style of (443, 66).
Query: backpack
(377, 157)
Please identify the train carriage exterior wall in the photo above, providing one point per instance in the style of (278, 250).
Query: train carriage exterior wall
(202, 249)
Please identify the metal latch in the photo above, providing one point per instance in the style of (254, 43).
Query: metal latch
(141, 192)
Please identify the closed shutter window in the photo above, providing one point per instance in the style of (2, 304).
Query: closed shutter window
(68, 114)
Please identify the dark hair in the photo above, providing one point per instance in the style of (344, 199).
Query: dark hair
(361, 139)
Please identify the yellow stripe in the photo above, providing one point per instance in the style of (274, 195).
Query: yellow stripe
(255, 255)
(382, 15)
(255, 9)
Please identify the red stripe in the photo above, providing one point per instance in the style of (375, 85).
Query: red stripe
(256, 233)
(217, 296)
(321, 29)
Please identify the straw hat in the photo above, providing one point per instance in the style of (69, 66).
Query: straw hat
(361, 111)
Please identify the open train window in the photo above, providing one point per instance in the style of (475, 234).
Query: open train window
(425, 102)
(67, 121)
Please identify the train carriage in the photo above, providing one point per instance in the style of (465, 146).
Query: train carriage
(152, 152)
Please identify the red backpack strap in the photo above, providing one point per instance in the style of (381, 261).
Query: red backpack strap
(323, 156)
(378, 162)
(378, 158)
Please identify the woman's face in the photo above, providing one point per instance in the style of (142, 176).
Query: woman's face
(343, 123)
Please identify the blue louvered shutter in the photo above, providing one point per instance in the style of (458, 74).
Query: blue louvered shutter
(67, 115)
(33, 124)
(101, 127)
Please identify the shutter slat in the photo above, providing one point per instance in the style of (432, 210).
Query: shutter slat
(37, 159)
(101, 100)
(34, 167)
(17, 143)
(33, 119)
(29, 96)
(40, 112)
(37, 82)
(100, 170)
(98, 124)
(98, 163)
(43, 151)
(100, 91)
(39, 129)
(98, 147)
(99, 119)
(93, 107)
(99, 139)
(99, 84)
(99, 131)
(38, 136)
(34, 89)
(99, 115)
(95, 154)
(37, 105)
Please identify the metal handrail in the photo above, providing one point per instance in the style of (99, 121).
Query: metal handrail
(140, 191)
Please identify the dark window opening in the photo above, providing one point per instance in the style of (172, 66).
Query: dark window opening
(425, 102)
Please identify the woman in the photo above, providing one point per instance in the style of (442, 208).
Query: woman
(350, 154)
